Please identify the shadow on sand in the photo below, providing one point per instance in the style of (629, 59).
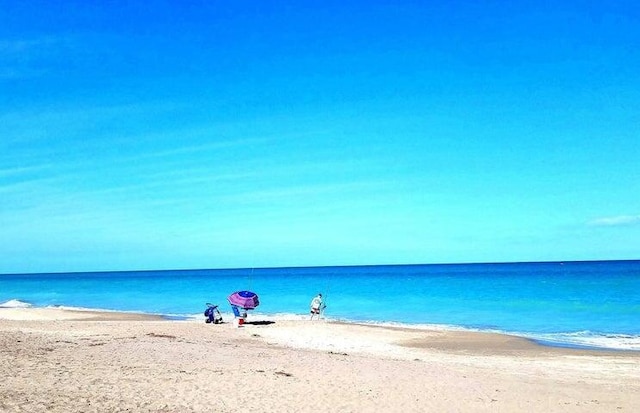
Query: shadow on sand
(259, 323)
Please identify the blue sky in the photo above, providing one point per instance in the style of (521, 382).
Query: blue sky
(217, 134)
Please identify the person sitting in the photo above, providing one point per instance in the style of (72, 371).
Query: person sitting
(316, 306)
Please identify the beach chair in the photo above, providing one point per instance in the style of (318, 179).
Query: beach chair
(239, 317)
(236, 311)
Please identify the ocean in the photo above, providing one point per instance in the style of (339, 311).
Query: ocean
(575, 304)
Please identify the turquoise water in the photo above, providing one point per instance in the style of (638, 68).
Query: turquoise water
(575, 303)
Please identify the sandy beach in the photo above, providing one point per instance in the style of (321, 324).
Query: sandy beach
(68, 361)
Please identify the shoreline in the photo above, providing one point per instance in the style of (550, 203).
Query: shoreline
(452, 340)
(64, 312)
(500, 341)
(440, 339)
(94, 361)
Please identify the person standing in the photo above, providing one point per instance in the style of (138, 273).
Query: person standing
(316, 306)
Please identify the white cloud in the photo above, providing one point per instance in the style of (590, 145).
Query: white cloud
(620, 220)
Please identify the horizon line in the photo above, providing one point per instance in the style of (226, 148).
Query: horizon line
(562, 262)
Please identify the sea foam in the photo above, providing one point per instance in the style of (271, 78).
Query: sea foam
(15, 304)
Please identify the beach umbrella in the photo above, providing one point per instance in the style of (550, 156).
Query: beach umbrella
(244, 299)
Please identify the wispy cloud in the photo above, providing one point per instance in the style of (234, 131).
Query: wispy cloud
(15, 74)
(25, 58)
(306, 192)
(23, 170)
(616, 221)
(18, 46)
(25, 186)
(185, 150)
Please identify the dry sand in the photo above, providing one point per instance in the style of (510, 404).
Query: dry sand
(65, 361)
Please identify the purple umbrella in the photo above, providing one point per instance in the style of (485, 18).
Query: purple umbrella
(244, 299)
